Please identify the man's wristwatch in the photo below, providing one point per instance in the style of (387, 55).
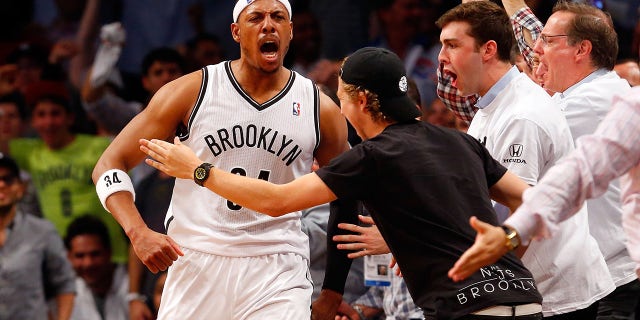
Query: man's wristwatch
(512, 239)
(358, 309)
(201, 173)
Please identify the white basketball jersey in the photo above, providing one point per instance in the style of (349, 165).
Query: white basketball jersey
(274, 141)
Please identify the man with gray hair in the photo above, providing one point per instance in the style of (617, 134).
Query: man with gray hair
(577, 51)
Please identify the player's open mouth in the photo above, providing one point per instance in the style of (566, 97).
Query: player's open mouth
(269, 49)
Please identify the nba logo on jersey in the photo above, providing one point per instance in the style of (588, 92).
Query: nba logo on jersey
(296, 109)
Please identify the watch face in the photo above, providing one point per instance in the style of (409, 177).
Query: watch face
(201, 173)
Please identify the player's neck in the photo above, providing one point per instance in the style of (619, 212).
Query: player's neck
(373, 128)
(261, 85)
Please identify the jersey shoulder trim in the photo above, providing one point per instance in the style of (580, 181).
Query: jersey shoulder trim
(183, 132)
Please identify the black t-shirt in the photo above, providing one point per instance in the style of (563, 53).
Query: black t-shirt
(421, 184)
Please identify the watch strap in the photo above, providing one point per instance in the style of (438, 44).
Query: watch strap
(136, 296)
(201, 173)
(512, 240)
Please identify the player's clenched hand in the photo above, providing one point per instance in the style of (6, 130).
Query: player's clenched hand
(326, 306)
(346, 312)
(138, 310)
(174, 159)
(487, 249)
(365, 241)
(156, 250)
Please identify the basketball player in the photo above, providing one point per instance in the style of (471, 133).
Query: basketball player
(249, 116)
(406, 173)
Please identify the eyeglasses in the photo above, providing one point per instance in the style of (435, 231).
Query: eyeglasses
(8, 180)
(545, 38)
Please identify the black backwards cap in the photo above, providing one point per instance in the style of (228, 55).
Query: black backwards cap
(381, 72)
(9, 164)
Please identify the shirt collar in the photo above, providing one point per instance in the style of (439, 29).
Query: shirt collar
(485, 100)
(17, 219)
(587, 79)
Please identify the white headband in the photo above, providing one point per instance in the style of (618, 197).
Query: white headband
(241, 4)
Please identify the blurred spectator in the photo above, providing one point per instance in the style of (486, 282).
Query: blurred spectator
(102, 285)
(13, 117)
(401, 23)
(344, 24)
(28, 68)
(305, 52)
(66, 23)
(31, 66)
(216, 19)
(73, 35)
(16, 24)
(111, 111)
(306, 45)
(151, 24)
(32, 255)
(60, 163)
(202, 50)
(439, 114)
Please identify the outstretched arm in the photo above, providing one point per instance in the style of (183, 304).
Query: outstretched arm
(179, 161)
(490, 242)
(611, 151)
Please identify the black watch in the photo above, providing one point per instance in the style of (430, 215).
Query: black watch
(512, 239)
(201, 173)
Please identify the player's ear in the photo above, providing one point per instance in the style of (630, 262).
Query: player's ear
(235, 32)
(291, 32)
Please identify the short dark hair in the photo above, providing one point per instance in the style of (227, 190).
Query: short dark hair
(193, 42)
(162, 54)
(48, 90)
(594, 25)
(35, 53)
(55, 99)
(16, 98)
(87, 225)
(487, 21)
(11, 165)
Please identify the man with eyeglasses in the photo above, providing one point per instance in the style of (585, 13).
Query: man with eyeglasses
(577, 50)
(32, 256)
